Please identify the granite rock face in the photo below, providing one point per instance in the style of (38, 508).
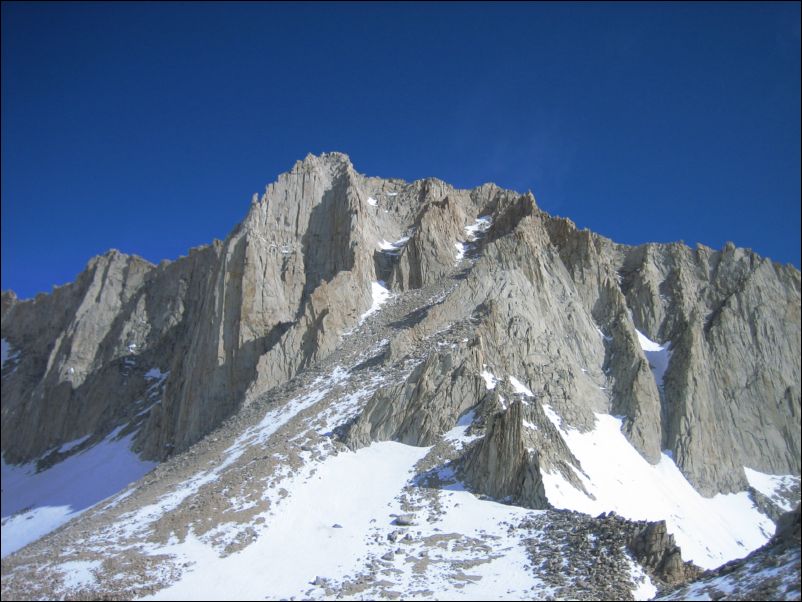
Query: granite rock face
(428, 403)
(232, 317)
(656, 550)
(550, 307)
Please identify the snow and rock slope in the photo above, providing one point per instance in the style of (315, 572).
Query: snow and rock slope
(769, 573)
(335, 415)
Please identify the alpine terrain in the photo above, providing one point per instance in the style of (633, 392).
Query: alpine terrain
(377, 389)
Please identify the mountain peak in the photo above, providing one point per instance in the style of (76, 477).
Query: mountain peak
(353, 380)
(332, 159)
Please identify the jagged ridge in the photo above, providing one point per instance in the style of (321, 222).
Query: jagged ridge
(238, 317)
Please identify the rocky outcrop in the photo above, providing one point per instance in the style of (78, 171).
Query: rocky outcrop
(519, 444)
(584, 558)
(502, 466)
(542, 302)
(427, 404)
(7, 301)
(654, 548)
(789, 529)
(430, 252)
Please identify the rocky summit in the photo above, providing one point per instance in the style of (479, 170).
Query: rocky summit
(381, 389)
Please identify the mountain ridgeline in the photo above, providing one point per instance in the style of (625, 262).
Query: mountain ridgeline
(563, 309)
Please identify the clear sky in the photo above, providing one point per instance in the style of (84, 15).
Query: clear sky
(147, 127)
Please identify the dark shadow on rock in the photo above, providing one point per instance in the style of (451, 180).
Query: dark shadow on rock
(326, 243)
(461, 275)
(376, 360)
(443, 477)
(411, 319)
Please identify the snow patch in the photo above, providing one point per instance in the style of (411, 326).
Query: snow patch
(256, 435)
(772, 486)
(459, 434)
(393, 247)
(380, 297)
(21, 529)
(301, 529)
(644, 588)
(79, 574)
(460, 246)
(647, 344)
(658, 355)
(156, 378)
(781, 576)
(361, 492)
(479, 227)
(156, 374)
(602, 335)
(553, 417)
(72, 444)
(472, 233)
(490, 380)
(520, 387)
(7, 353)
(347, 407)
(372, 202)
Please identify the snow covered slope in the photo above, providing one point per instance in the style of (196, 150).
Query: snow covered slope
(34, 503)
(710, 531)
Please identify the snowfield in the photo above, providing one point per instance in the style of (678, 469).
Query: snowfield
(333, 519)
(35, 503)
(710, 531)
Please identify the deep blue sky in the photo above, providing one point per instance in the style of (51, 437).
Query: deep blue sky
(147, 127)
